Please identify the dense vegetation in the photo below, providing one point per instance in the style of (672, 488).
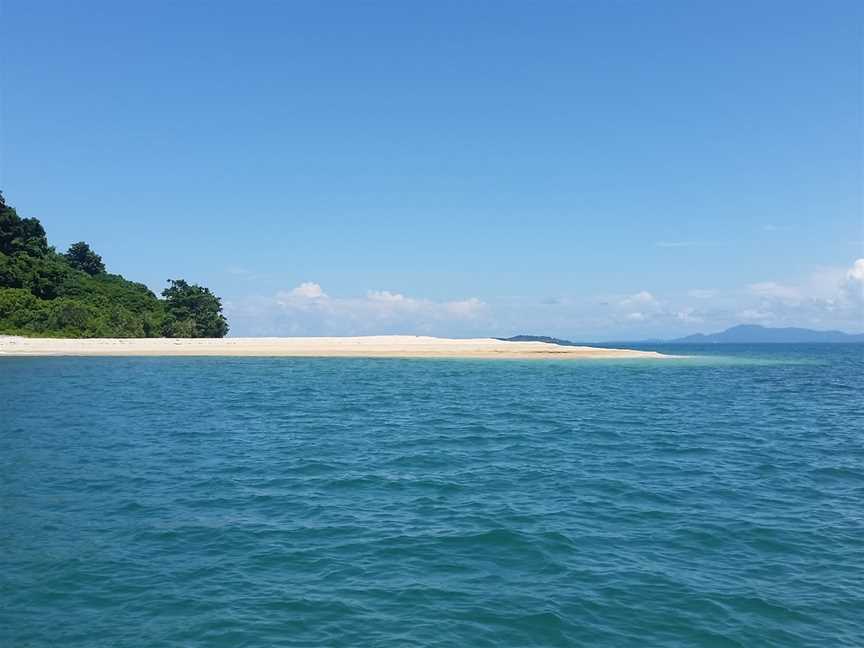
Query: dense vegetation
(44, 293)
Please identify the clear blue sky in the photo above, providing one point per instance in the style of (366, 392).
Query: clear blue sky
(592, 169)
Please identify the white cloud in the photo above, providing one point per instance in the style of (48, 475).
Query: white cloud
(308, 290)
(853, 286)
(642, 297)
(386, 296)
(830, 297)
(825, 287)
(465, 308)
(689, 315)
(308, 310)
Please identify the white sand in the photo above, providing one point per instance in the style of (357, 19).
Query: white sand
(378, 346)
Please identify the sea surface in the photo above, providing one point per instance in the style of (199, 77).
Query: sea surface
(716, 500)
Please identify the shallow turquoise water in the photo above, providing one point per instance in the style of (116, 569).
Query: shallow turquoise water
(709, 501)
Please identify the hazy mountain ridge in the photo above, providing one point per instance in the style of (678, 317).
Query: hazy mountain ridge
(753, 334)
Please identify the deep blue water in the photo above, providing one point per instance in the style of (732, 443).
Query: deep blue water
(711, 501)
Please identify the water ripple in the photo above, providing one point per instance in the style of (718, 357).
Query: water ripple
(711, 501)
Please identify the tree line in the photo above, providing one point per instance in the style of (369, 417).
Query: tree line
(71, 294)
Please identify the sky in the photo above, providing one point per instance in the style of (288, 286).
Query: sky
(590, 170)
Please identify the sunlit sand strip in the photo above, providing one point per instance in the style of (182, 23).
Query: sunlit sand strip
(379, 346)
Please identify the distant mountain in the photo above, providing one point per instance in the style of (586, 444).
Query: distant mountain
(742, 334)
(755, 334)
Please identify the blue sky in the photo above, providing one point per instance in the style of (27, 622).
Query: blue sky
(592, 170)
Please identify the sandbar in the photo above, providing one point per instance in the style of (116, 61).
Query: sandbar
(374, 346)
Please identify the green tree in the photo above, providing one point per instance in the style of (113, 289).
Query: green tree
(192, 311)
(81, 257)
(71, 295)
(17, 306)
(20, 235)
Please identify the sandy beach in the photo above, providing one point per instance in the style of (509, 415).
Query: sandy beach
(381, 346)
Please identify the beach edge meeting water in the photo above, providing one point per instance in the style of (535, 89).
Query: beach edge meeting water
(375, 346)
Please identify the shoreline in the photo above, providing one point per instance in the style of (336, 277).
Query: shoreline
(378, 346)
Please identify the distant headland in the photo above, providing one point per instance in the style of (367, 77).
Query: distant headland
(47, 294)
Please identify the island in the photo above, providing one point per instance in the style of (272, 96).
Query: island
(67, 304)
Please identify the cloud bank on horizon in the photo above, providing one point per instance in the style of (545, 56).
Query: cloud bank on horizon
(308, 310)
(828, 298)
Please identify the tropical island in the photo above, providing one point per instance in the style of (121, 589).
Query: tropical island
(54, 303)
(44, 293)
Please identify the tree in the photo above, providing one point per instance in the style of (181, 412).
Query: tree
(192, 311)
(20, 235)
(71, 295)
(81, 257)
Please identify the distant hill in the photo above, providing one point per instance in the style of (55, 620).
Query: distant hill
(742, 334)
(755, 334)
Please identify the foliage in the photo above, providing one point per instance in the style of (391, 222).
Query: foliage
(43, 293)
(20, 235)
(192, 311)
(81, 257)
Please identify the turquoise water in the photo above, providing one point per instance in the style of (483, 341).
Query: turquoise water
(709, 501)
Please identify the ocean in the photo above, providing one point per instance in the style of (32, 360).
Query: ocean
(715, 500)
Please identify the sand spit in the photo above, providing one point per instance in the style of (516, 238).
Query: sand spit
(378, 346)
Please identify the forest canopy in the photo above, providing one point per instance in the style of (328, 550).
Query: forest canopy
(45, 293)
